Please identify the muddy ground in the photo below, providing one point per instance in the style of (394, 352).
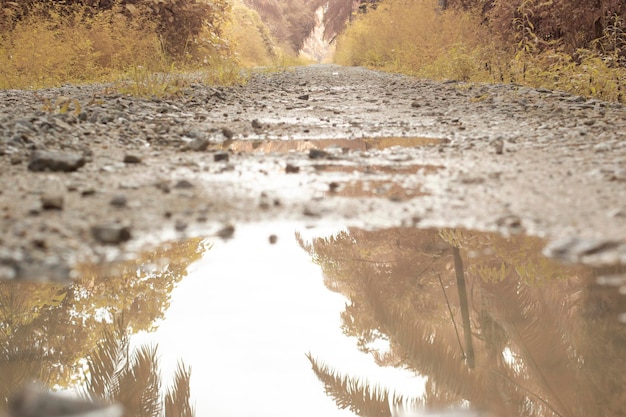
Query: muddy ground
(88, 174)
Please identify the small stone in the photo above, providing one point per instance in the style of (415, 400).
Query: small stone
(55, 161)
(318, 154)
(273, 239)
(119, 200)
(164, 186)
(88, 191)
(183, 184)
(510, 221)
(333, 186)
(52, 201)
(292, 169)
(228, 134)
(416, 105)
(111, 234)
(256, 124)
(198, 145)
(34, 210)
(221, 156)
(303, 97)
(180, 225)
(226, 232)
(132, 159)
(498, 146)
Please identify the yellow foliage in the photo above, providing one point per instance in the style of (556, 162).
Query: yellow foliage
(250, 39)
(416, 38)
(49, 48)
(413, 37)
(58, 44)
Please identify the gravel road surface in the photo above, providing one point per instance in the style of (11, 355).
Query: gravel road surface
(88, 175)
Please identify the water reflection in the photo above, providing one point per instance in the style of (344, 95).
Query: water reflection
(527, 336)
(356, 144)
(61, 335)
(434, 319)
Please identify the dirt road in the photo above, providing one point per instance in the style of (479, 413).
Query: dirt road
(87, 175)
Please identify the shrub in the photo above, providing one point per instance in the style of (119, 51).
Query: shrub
(499, 41)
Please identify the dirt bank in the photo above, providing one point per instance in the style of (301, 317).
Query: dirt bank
(365, 148)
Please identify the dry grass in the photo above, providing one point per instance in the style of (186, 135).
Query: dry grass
(56, 45)
(413, 37)
(51, 47)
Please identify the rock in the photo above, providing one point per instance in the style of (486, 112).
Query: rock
(226, 232)
(183, 184)
(256, 124)
(228, 134)
(498, 146)
(416, 105)
(197, 145)
(52, 201)
(303, 97)
(273, 239)
(318, 154)
(55, 161)
(132, 158)
(111, 233)
(292, 169)
(221, 156)
(119, 200)
(164, 186)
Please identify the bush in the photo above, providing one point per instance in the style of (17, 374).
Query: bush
(499, 41)
(49, 43)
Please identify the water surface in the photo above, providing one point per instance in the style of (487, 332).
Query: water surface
(334, 322)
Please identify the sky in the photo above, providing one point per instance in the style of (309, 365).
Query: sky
(244, 319)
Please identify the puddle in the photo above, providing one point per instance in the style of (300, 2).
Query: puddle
(362, 144)
(337, 322)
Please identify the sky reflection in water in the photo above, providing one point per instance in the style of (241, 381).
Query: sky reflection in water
(528, 336)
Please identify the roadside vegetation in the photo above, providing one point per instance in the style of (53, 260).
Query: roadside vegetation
(147, 48)
(570, 45)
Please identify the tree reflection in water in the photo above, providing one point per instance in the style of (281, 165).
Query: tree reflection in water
(47, 330)
(546, 341)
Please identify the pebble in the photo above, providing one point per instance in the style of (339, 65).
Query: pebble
(119, 200)
(318, 154)
(130, 158)
(55, 161)
(221, 156)
(292, 169)
(52, 201)
(111, 233)
(197, 145)
(182, 184)
(228, 134)
(226, 232)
